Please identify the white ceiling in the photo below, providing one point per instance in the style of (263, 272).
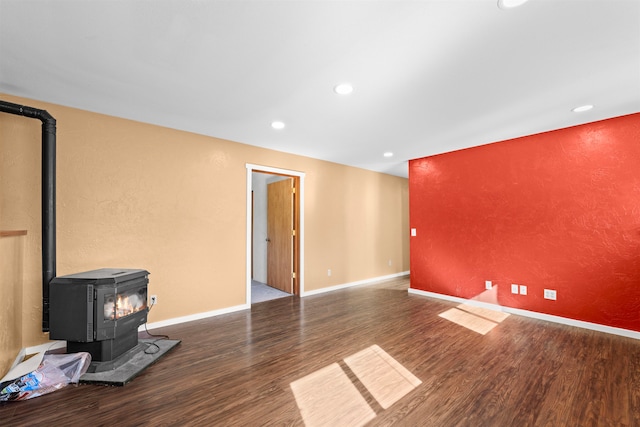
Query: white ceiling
(429, 76)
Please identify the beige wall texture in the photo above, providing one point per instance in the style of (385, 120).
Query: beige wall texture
(134, 195)
(11, 256)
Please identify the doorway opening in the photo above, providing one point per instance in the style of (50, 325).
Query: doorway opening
(275, 233)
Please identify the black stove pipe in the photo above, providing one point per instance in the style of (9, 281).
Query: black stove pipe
(48, 197)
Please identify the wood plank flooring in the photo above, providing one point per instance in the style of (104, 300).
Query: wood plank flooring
(237, 369)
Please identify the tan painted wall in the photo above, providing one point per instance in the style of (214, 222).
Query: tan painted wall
(133, 195)
(20, 262)
(11, 262)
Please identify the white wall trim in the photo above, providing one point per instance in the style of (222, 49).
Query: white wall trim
(249, 256)
(47, 346)
(192, 317)
(271, 169)
(351, 284)
(199, 316)
(533, 314)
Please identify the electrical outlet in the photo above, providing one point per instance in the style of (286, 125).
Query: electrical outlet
(514, 289)
(154, 299)
(523, 289)
(550, 294)
(488, 285)
(390, 263)
(329, 272)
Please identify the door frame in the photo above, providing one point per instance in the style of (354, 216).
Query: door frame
(300, 220)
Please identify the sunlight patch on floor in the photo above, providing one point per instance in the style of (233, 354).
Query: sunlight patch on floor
(327, 397)
(477, 319)
(386, 379)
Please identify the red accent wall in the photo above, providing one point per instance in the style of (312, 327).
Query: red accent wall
(558, 210)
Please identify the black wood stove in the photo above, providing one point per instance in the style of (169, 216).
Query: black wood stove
(99, 312)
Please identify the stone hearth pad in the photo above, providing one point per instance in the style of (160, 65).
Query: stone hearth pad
(147, 355)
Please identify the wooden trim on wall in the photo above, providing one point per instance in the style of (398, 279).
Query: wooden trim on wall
(9, 233)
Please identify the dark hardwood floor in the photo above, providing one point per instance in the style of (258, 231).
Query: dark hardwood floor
(236, 369)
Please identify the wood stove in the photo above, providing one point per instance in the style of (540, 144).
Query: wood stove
(99, 311)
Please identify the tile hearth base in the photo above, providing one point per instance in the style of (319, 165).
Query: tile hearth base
(147, 354)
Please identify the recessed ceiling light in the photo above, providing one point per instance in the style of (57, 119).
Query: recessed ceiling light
(510, 4)
(388, 154)
(277, 125)
(343, 89)
(582, 108)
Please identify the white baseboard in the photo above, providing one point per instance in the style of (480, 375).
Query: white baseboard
(47, 346)
(198, 316)
(351, 284)
(192, 317)
(533, 314)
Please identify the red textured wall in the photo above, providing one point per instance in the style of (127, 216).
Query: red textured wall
(558, 210)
